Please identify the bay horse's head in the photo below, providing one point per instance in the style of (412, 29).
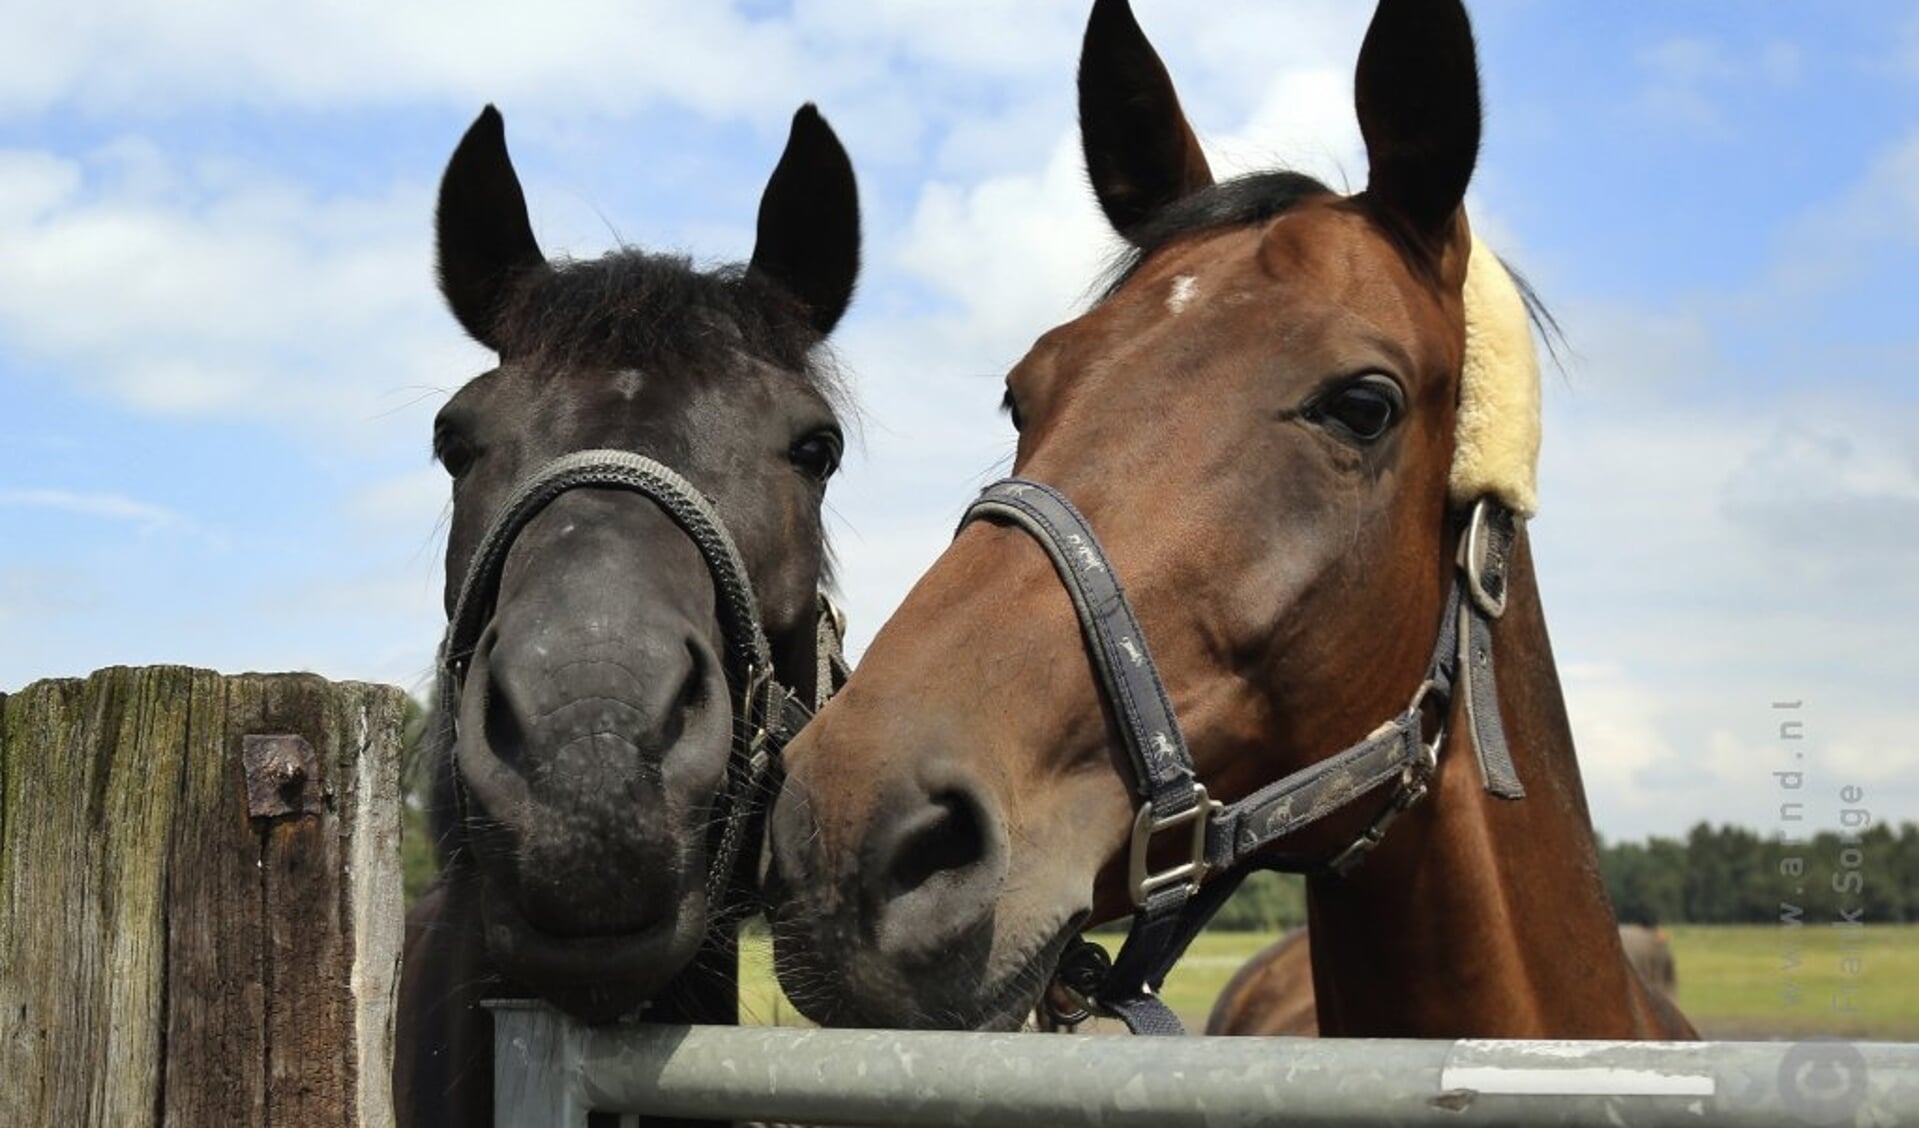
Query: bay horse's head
(1260, 420)
(595, 720)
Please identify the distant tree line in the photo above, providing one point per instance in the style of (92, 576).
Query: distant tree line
(1715, 875)
(1732, 875)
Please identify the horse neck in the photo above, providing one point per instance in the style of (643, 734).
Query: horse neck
(1480, 916)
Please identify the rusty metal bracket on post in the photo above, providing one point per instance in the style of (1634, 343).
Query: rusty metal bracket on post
(283, 776)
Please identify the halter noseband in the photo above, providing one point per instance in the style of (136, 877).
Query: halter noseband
(1173, 904)
(766, 715)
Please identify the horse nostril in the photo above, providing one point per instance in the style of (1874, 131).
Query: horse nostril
(692, 693)
(505, 732)
(941, 840)
(935, 871)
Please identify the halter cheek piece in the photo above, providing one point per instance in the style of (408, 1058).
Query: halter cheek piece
(766, 714)
(1227, 842)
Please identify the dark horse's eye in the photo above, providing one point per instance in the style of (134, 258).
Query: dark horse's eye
(453, 451)
(818, 454)
(1365, 408)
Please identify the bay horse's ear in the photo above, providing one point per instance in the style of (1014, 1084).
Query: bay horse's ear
(485, 240)
(1417, 93)
(1140, 152)
(809, 227)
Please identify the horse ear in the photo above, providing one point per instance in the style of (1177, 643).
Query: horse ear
(485, 240)
(1417, 93)
(1140, 152)
(809, 227)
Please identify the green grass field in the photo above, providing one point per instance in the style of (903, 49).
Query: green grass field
(1731, 980)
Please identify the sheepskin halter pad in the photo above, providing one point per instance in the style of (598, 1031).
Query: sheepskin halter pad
(1496, 444)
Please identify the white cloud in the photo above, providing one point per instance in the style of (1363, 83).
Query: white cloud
(114, 57)
(230, 295)
(1618, 730)
(1828, 246)
(1016, 253)
(1689, 79)
(1304, 121)
(109, 506)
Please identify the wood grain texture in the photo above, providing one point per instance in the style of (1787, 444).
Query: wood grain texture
(216, 1019)
(165, 958)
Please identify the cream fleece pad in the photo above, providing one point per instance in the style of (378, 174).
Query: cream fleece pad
(1496, 445)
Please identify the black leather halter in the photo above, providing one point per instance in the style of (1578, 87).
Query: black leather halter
(766, 714)
(1227, 842)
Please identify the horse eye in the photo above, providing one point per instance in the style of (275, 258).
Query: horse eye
(817, 455)
(1366, 408)
(1011, 407)
(454, 452)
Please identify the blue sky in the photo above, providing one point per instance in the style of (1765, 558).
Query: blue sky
(220, 347)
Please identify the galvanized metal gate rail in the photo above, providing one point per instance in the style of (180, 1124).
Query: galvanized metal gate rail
(550, 1071)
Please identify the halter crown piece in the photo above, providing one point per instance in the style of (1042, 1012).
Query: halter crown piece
(1492, 485)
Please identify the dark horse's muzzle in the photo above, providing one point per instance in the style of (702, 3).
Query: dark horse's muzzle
(764, 715)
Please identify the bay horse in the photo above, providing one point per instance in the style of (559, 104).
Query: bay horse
(634, 570)
(1302, 428)
(1271, 995)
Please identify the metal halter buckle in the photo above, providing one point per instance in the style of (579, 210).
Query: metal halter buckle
(1412, 788)
(1191, 871)
(834, 613)
(756, 708)
(1483, 555)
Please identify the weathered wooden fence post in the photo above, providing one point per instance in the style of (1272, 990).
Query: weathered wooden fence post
(200, 906)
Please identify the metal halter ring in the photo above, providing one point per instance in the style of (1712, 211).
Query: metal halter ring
(1431, 747)
(1083, 968)
(1482, 555)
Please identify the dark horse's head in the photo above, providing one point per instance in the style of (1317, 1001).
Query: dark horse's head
(1258, 420)
(595, 718)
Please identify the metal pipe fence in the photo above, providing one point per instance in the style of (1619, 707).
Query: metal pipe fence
(551, 1071)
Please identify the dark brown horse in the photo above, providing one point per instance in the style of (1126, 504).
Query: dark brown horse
(1271, 423)
(577, 803)
(1271, 995)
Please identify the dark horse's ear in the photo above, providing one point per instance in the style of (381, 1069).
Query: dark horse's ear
(809, 231)
(485, 240)
(1417, 93)
(1140, 153)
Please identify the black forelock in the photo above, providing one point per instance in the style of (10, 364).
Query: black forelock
(1243, 200)
(630, 308)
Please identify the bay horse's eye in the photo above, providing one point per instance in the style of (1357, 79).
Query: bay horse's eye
(1365, 409)
(818, 454)
(1011, 407)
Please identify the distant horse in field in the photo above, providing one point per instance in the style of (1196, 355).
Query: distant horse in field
(1271, 995)
(1293, 447)
(633, 576)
